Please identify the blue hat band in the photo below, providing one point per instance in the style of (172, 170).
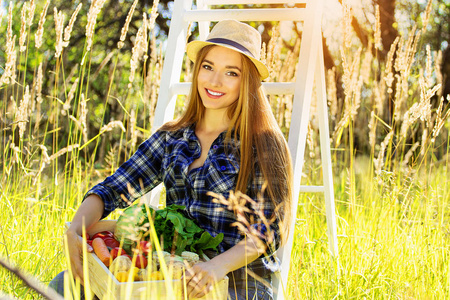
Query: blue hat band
(231, 43)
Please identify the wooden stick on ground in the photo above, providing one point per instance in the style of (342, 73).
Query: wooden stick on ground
(31, 282)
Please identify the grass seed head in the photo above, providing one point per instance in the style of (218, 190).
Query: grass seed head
(126, 25)
(23, 28)
(59, 25)
(69, 27)
(40, 31)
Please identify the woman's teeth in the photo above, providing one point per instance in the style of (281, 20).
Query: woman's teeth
(214, 93)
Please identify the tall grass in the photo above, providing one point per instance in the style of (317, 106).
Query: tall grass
(390, 134)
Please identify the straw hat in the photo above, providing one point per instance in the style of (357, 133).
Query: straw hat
(236, 36)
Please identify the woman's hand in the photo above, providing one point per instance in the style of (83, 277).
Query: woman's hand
(201, 277)
(75, 246)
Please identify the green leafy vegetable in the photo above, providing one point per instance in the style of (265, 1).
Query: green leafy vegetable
(177, 232)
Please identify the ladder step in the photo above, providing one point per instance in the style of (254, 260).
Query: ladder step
(228, 2)
(272, 88)
(262, 14)
(312, 189)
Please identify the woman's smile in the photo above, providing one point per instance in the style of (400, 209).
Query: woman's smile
(214, 94)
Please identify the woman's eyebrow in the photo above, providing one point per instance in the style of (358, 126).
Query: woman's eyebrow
(227, 67)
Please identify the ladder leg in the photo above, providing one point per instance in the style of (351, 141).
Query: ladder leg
(325, 152)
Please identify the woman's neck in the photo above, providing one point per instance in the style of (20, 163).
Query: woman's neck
(214, 121)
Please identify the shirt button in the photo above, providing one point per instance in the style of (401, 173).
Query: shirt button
(223, 168)
(215, 147)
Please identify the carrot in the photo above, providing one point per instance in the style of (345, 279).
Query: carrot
(101, 250)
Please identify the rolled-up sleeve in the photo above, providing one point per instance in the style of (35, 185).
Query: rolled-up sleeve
(134, 178)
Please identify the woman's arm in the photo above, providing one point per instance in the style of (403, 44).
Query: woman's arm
(89, 213)
(202, 276)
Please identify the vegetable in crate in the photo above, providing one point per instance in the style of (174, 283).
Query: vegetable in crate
(170, 223)
(132, 226)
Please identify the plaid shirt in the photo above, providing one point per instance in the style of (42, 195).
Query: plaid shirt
(165, 157)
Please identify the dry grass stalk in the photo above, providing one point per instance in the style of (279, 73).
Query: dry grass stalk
(70, 96)
(23, 28)
(9, 73)
(140, 47)
(103, 64)
(69, 27)
(440, 120)
(134, 132)
(9, 33)
(39, 82)
(332, 93)
(389, 78)
(366, 67)
(249, 221)
(424, 143)
(310, 141)
(264, 53)
(428, 67)
(111, 125)
(31, 10)
(22, 114)
(83, 117)
(40, 31)
(377, 34)
(379, 161)
(154, 87)
(419, 110)
(94, 10)
(438, 73)
(64, 151)
(372, 130)
(126, 25)
(379, 90)
(59, 28)
(409, 154)
(347, 24)
(153, 15)
(293, 66)
(271, 54)
(427, 15)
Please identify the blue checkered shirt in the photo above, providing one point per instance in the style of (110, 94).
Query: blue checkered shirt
(165, 158)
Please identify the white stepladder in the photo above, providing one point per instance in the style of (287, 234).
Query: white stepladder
(310, 69)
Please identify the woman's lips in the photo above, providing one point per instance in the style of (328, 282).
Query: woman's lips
(214, 94)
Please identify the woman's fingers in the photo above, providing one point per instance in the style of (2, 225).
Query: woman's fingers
(198, 286)
(75, 248)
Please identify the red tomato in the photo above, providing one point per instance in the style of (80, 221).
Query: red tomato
(103, 235)
(141, 261)
(144, 247)
(89, 242)
(124, 254)
(111, 242)
(117, 251)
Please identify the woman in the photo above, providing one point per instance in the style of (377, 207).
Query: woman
(227, 140)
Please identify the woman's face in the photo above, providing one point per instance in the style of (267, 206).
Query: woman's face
(219, 78)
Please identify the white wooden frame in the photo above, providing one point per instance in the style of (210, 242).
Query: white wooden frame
(310, 70)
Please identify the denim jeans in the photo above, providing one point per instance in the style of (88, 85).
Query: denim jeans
(251, 290)
(237, 289)
(57, 284)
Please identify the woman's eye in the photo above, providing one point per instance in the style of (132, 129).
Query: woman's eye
(207, 67)
(233, 74)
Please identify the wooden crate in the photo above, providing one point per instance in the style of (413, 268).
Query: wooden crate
(106, 286)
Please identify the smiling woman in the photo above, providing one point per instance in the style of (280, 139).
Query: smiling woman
(226, 141)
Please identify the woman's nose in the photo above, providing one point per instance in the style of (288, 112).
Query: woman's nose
(216, 79)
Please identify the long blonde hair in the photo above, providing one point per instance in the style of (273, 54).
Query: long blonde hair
(253, 122)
